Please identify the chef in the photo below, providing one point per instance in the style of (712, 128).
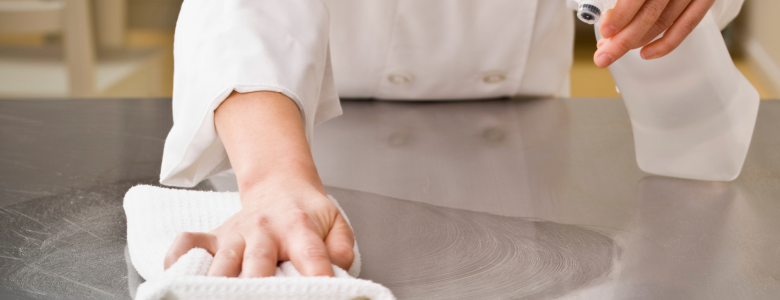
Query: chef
(253, 77)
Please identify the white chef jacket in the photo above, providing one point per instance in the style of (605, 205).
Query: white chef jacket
(383, 49)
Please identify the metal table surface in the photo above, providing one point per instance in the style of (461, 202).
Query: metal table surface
(536, 199)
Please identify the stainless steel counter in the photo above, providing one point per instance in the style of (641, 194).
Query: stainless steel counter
(537, 199)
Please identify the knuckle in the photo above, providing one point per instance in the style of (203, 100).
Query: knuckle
(262, 221)
(623, 16)
(646, 19)
(659, 26)
(687, 27)
(623, 45)
(227, 254)
(260, 254)
(343, 252)
(663, 22)
(313, 253)
(299, 218)
(652, 10)
(186, 237)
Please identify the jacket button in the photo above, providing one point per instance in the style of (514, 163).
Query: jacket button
(493, 77)
(400, 78)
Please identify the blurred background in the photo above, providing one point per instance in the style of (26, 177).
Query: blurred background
(123, 48)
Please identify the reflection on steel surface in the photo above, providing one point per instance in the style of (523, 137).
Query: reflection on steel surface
(683, 238)
(490, 156)
(422, 251)
(569, 161)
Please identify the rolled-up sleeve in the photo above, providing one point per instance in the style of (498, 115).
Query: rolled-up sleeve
(246, 46)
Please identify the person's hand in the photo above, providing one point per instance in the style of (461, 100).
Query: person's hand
(285, 214)
(294, 223)
(635, 23)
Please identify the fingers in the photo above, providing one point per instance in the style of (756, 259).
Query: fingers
(682, 27)
(250, 244)
(628, 37)
(600, 43)
(310, 257)
(340, 242)
(227, 259)
(186, 241)
(260, 256)
(615, 19)
(665, 20)
(307, 251)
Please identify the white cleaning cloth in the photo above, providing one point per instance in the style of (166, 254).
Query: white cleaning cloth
(156, 215)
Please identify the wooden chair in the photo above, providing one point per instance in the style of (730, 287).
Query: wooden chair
(69, 17)
(78, 67)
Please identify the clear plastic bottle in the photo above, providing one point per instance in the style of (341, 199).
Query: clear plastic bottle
(692, 111)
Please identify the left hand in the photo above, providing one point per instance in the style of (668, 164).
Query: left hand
(635, 23)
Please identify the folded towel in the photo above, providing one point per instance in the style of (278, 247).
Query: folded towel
(156, 215)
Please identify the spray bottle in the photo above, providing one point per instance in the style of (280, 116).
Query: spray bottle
(692, 112)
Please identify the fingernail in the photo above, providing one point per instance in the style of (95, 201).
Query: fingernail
(648, 55)
(608, 31)
(604, 60)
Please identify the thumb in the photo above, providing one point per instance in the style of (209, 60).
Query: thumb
(340, 242)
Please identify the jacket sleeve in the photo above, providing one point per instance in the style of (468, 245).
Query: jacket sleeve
(246, 46)
(724, 11)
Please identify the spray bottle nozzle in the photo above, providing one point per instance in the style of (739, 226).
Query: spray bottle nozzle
(589, 13)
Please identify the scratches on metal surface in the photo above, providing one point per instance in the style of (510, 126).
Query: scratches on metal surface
(17, 162)
(65, 246)
(68, 245)
(37, 193)
(42, 271)
(23, 215)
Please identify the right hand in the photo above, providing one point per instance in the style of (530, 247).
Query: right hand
(292, 223)
(286, 214)
(635, 24)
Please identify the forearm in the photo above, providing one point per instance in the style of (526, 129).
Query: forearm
(265, 140)
(285, 213)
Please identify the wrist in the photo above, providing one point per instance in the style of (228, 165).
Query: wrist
(280, 178)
